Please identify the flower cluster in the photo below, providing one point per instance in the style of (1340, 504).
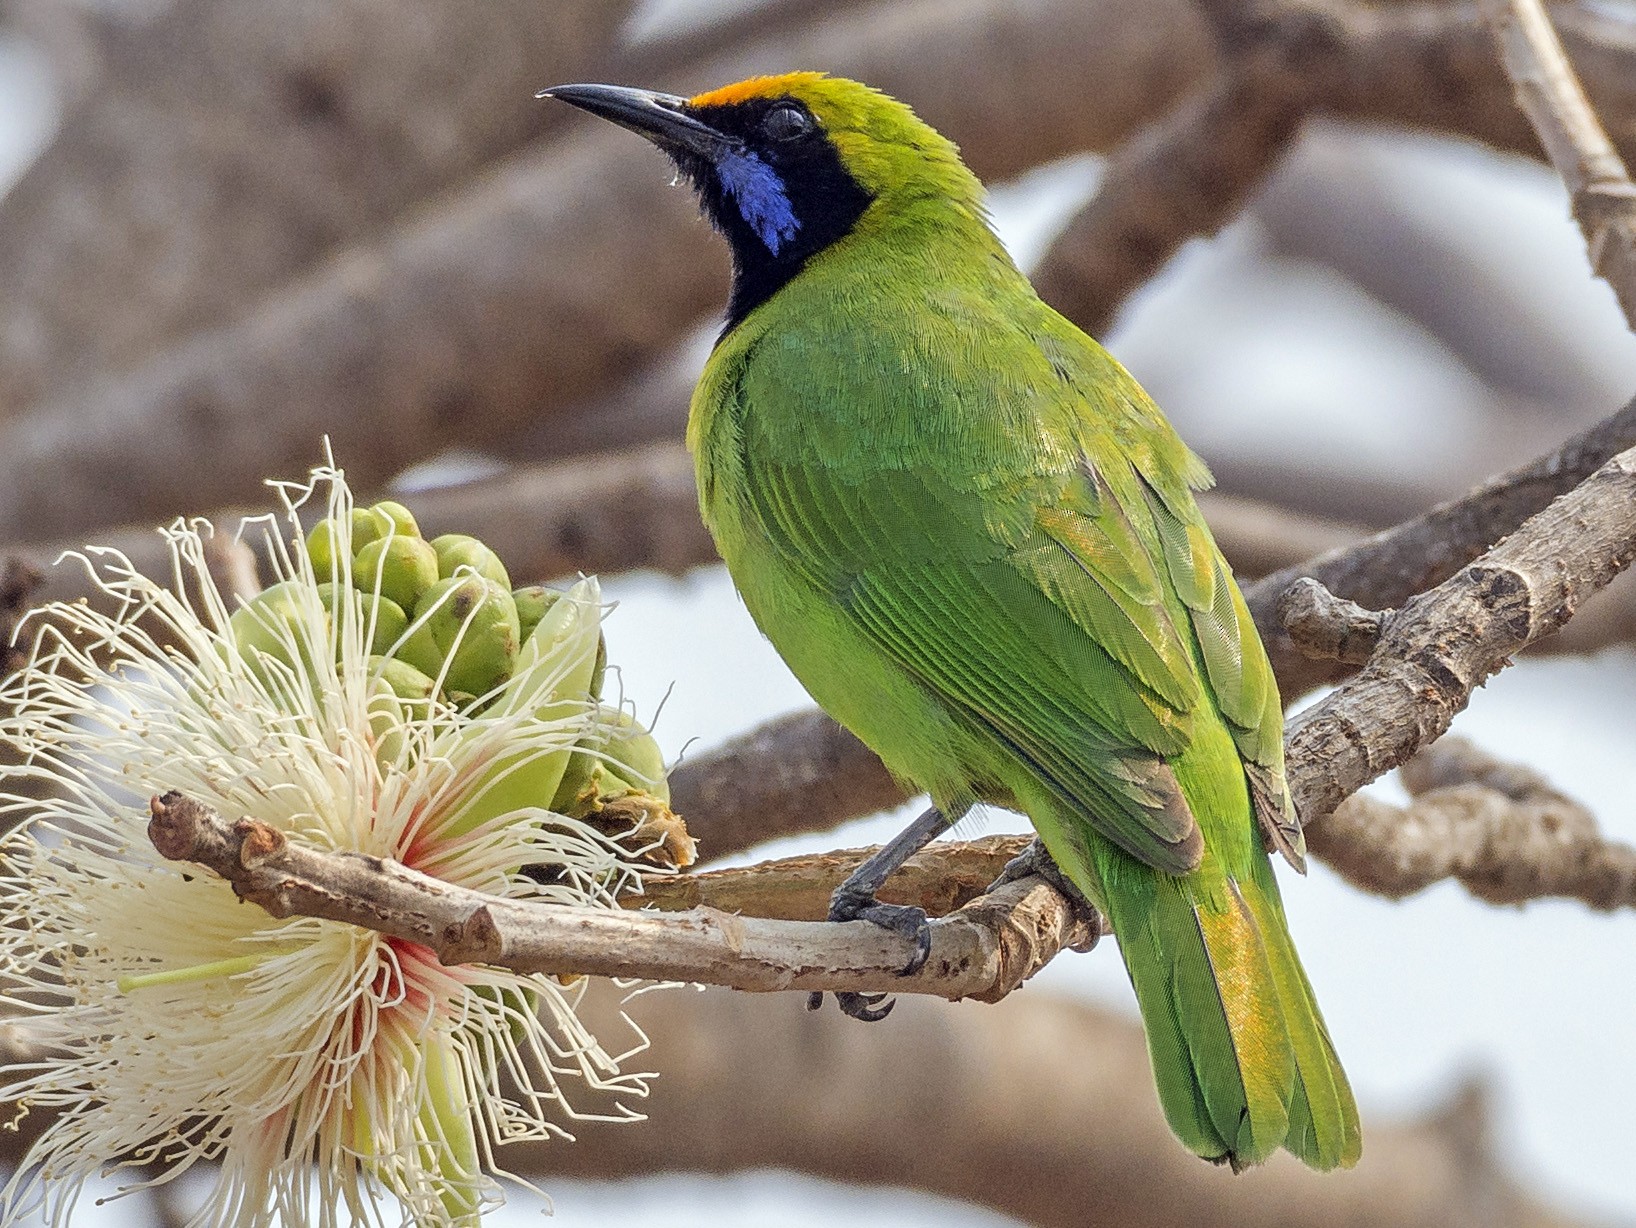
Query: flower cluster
(331, 1074)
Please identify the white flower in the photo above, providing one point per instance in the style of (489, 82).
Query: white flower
(322, 1067)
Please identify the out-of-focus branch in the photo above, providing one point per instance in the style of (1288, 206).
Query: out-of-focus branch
(1259, 537)
(798, 773)
(229, 144)
(1387, 569)
(983, 951)
(395, 349)
(621, 511)
(1423, 64)
(1189, 174)
(1442, 643)
(1040, 1108)
(20, 582)
(1604, 199)
(1503, 831)
(751, 1083)
(1350, 199)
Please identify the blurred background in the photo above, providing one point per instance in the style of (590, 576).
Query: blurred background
(232, 227)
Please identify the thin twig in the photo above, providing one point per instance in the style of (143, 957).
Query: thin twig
(1604, 198)
(1387, 569)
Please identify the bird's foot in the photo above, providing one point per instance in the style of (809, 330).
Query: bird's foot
(1034, 860)
(910, 922)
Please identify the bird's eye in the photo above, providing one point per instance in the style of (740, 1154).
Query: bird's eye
(785, 122)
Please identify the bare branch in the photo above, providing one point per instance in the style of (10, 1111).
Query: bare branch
(1387, 569)
(983, 951)
(1442, 643)
(1326, 627)
(798, 773)
(941, 878)
(1504, 832)
(1604, 199)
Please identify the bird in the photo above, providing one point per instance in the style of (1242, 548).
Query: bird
(973, 538)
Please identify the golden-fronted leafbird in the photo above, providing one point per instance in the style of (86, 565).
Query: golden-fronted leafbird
(973, 538)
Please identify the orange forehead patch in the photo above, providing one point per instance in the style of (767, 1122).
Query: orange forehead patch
(755, 87)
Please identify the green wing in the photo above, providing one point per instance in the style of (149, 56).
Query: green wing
(1073, 619)
(1043, 637)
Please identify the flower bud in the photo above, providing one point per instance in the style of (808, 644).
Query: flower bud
(456, 550)
(473, 623)
(401, 568)
(532, 603)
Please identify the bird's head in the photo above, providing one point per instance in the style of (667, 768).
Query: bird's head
(785, 166)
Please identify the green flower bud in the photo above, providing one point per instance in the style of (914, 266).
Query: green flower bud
(380, 618)
(532, 603)
(617, 757)
(564, 645)
(403, 521)
(384, 519)
(456, 550)
(401, 568)
(402, 679)
(636, 757)
(399, 693)
(321, 549)
(275, 623)
(473, 622)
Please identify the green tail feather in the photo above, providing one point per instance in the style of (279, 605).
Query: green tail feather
(1323, 1131)
(1241, 1059)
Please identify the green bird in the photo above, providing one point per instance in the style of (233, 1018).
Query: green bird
(973, 537)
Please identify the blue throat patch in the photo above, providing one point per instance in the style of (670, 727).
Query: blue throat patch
(760, 196)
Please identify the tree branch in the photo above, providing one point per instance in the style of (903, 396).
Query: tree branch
(1441, 644)
(1387, 569)
(1604, 199)
(941, 878)
(983, 951)
(1326, 627)
(1503, 831)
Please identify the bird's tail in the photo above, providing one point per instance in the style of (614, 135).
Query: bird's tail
(1241, 1057)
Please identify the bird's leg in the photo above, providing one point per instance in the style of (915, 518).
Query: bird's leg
(1034, 860)
(854, 900)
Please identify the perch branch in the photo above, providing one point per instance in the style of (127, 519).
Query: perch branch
(941, 878)
(1326, 627)
(983, 951)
